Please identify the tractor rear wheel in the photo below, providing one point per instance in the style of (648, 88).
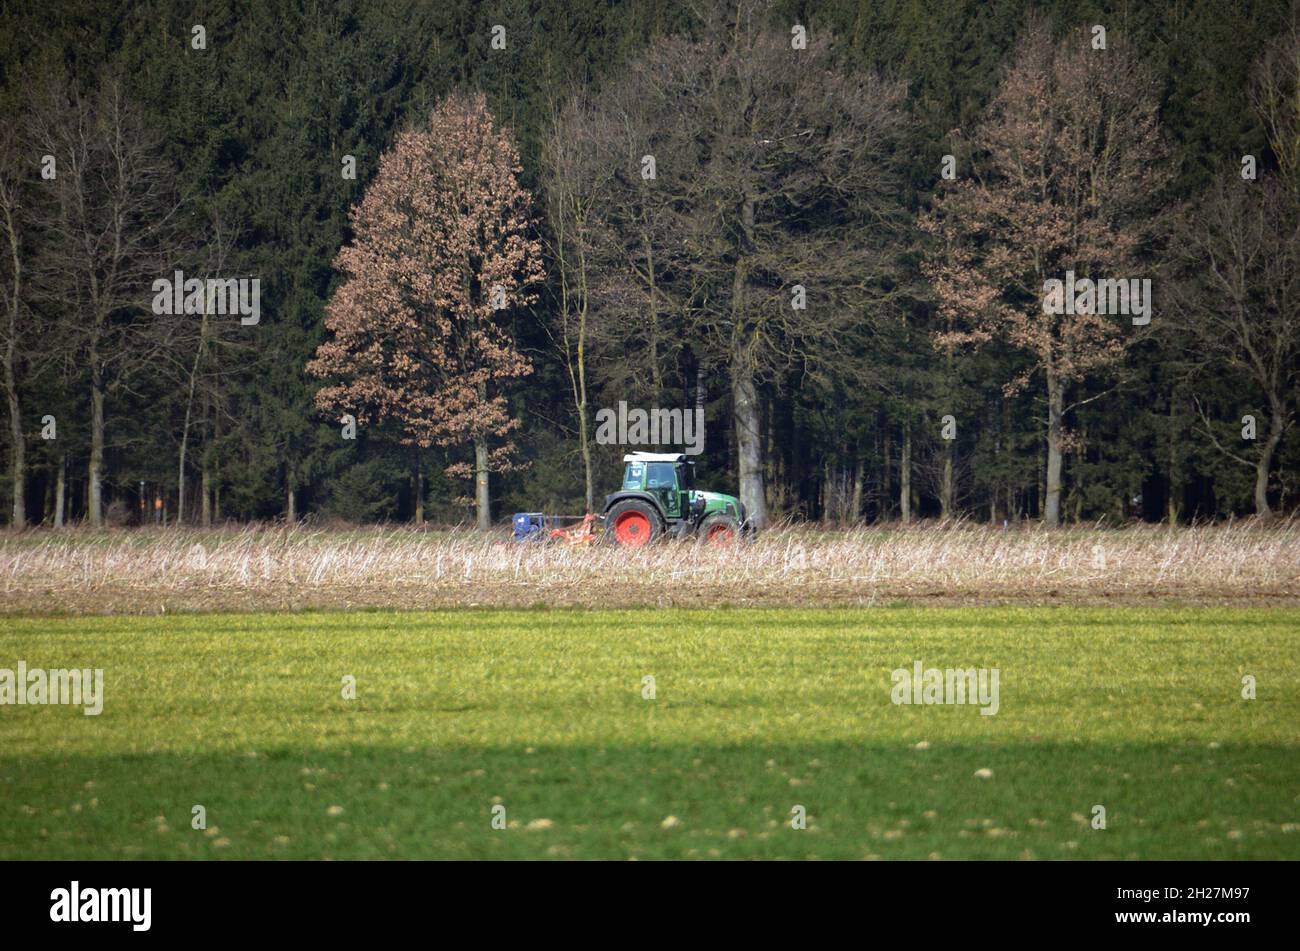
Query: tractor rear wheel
(719, 531)
(633, 523)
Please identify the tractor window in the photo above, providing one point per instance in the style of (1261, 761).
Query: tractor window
(660, 475)
(632, 480)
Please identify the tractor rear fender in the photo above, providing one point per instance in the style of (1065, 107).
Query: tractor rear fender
(615, 497)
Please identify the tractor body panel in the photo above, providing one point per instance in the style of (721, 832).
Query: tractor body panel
(720, 502)
(615, 497)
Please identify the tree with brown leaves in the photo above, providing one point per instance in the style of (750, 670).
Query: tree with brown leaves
(442, 248)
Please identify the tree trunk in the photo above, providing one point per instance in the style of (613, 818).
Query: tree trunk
(748, 449)
(905, 476)
(576, 363)
(216, 467)
(482, 498)
(887, 479)
(1265, 462)
(1004, 489)
(995, 493)
(1171, 505)
(1262, 508)
(290, 502)
(18, 463)
(945, 486)
(185, 429)
(180, 474)
(1055, 412)
(205, 470)
(584, 440)
(95, 471)
(60, 489)
(855, 506)
(205, 490)
(829, 502)
(652, 313)
(744, 392)
(700, 400)
(945, 489)
(417, 492)
(1076, 483)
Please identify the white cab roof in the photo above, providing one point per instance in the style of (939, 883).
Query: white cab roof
(655, 457)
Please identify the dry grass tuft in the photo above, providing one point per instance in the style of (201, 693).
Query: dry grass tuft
(264, 567)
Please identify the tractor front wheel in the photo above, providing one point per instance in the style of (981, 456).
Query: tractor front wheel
(633, 523)
(719, 531)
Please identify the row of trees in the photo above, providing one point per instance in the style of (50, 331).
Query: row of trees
(85, 231)
(833, 241)
(776, 174)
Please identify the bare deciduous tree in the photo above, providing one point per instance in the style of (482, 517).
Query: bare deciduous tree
(109, 220)
(576, 180)
(1239, 302)
(1275, 95)
(1238, 253)
(1068, 161)
(15, 325)
(200, 376)
(773, 171)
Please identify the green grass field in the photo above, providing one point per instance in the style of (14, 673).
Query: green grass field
(756, 711)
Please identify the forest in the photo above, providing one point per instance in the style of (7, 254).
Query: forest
(391, 261)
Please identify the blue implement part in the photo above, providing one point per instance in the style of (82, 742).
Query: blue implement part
(533, 526)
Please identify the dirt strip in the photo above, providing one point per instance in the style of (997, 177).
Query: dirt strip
(161, 600)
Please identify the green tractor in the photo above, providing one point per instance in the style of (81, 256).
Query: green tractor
(659, 499)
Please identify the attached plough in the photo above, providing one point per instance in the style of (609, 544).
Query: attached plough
(584, 533)
(571, 530)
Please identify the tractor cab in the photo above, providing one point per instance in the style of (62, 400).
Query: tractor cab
(668, 477)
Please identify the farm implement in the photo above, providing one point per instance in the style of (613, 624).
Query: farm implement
(572, 530)
(658, 500)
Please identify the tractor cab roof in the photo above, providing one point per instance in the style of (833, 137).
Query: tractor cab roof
(655, 457)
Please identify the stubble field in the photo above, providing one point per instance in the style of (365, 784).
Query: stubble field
(155, 571)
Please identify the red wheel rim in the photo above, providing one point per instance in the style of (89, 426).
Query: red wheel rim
(632, 529)
(719, 536)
